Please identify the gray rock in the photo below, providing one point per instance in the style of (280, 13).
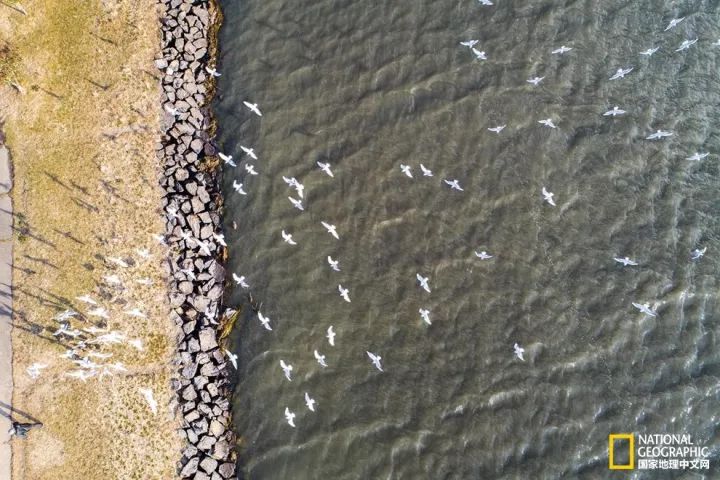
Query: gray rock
(208, 339)
(201, 476)
(196, 145)
(227, 470)
(185, 287)
(193, 345)
(203, 194)
(176, 299)
(209, 370)
(189, 393)
(190, 417)
(161, 64)
(216, 476)
(201, 426)
(215, 292)
(190, 468)
(190, 370)
(206, 444)
(216, 428)
(209, 464)
(222, 450)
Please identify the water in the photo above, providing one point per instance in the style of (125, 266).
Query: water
(369, 85)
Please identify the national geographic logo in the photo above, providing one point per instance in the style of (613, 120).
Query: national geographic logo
(656, 452)
(621, 437)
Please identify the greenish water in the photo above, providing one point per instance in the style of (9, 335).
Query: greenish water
(368, 86)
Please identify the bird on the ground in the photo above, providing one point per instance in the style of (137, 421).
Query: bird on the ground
(288, 238)
(143, 253)
(144, 281)
(621, 72)
(172, 212)
(423, 282)
(645, 308)
(204, 247)
(287, 369)
(649, 51)
(625, 261)
(320, 358)
(497, 129)
(406, 169)
(136, 343)
(290, 417)
(686, 44)
(101, 355)
(548, 196)
(519, 351)
(454, 184)
(67, 331)
(160, 239)
(344, 293)
(238, 187)
(228, 159)
(561, 50)
(483, 255)
(232, 357)
(325, 167)
(614, 112)
(34, 370)
(375, 359)
(110, 338)
(331, 230)
(189, 273)
(659, 134)
(136, 312)
(219, 238)
(149, 398)
(171, 110)
(264, 320)
(249, 151)
(425, 315)
(118, 261)
(334, 264)
(83, 375)
(479, 55)
(673, 23)
(212, 71)
(240, 280)
(469, 43)
(65, 315)
(331, 336)
(547, 122)
(250, 169)
(309, 402)
(254, 108)
(99, 312)
(426, 171)
(87, 299)
(535, 80)
(697, 253)
(296, 203)
(697, 156)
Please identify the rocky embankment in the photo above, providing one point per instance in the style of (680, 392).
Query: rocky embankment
(193, 224)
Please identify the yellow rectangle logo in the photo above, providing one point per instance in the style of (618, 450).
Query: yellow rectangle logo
(611, 451)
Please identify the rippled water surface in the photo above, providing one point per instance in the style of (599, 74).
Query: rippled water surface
(370, 85)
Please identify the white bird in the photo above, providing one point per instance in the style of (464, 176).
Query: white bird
(686, 44)
(249, 151)
(645, 308)
(334, 264)
(482, 255)
(111, 337)
(320, 359)
(614, 112)
(406, 170)
(250, 169)
(299, 188)
(219, 238)
(454, 184)
(136, 343)
(66, 330)
(290, 417)
(344, 293)
(149, 398)
(87, 299)
(34, 370)
(697, 156)
(697, 253)
(136, 312)
(144, 281)
(112, 279)
(659, 135)
(485, 2)
(548, 196)
(625, 261)
(239, 187)
(290, 181)
(228, 159)
(621, 72)
(288, 238)
(423, 282)
(649, 51)
(254, 108)
(535, 80)
(426, 171)
(101, 355)
(296, 203)
(547, 122)
(673, 23)
(425, 315)
(160, 239)
(232, 357)
(82, 374)
(331, 336)
(189, 273)
(375, 359)
(561, 50)
(143, 253)
(717, 43)
(65, 315)
(287, 369)
(331, 230)
(469, 43)
(204, 247)
(497, 129)
(118, 261)
(240, 280)
(265, 321)
(99, 312)
(325, 167)
(171, 110)
(519, 351)
(213, 72)
(479, 55)
(172, 212)
(309, 402)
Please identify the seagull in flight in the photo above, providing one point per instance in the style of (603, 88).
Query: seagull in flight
(249, 168)
(454, 184)
(659, 135)
(485, 2)
(287, 369)
(423, 282)
(265, 323)
(227, 159)
(649, 51)
(478, 54)
(219, 238)
(320, 359)
(344, 293)
(232, 357)
(497, 129)
(331, 336)
(614, 112)
(213, 72)
(673, 23)
(717, 43)
(548, 196)
(621, 72)
(149, 398)
(426, 171)
(292, 182)
(535, 80)
(562, 50)
(239, 187)
(645, 308)
(288, 238)
(469, 43)
(698, 254)
(406, 170)
(296, 203)
(425, 315)
(290, 417)
(375, 359)
(249, 151)
(519, 351)
(240, 280)
(309, 402)
(686, 44)
(254, 108)
(547, 122)
(334, 264)
(325, 167)
(625, 261)
(331, 230)
(482, 255)
(697, 156)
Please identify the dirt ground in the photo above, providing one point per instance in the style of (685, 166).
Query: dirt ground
(79, 102)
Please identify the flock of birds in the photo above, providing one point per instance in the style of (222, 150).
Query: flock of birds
(454, 184)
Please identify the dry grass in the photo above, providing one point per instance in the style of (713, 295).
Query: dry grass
(82, 139)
